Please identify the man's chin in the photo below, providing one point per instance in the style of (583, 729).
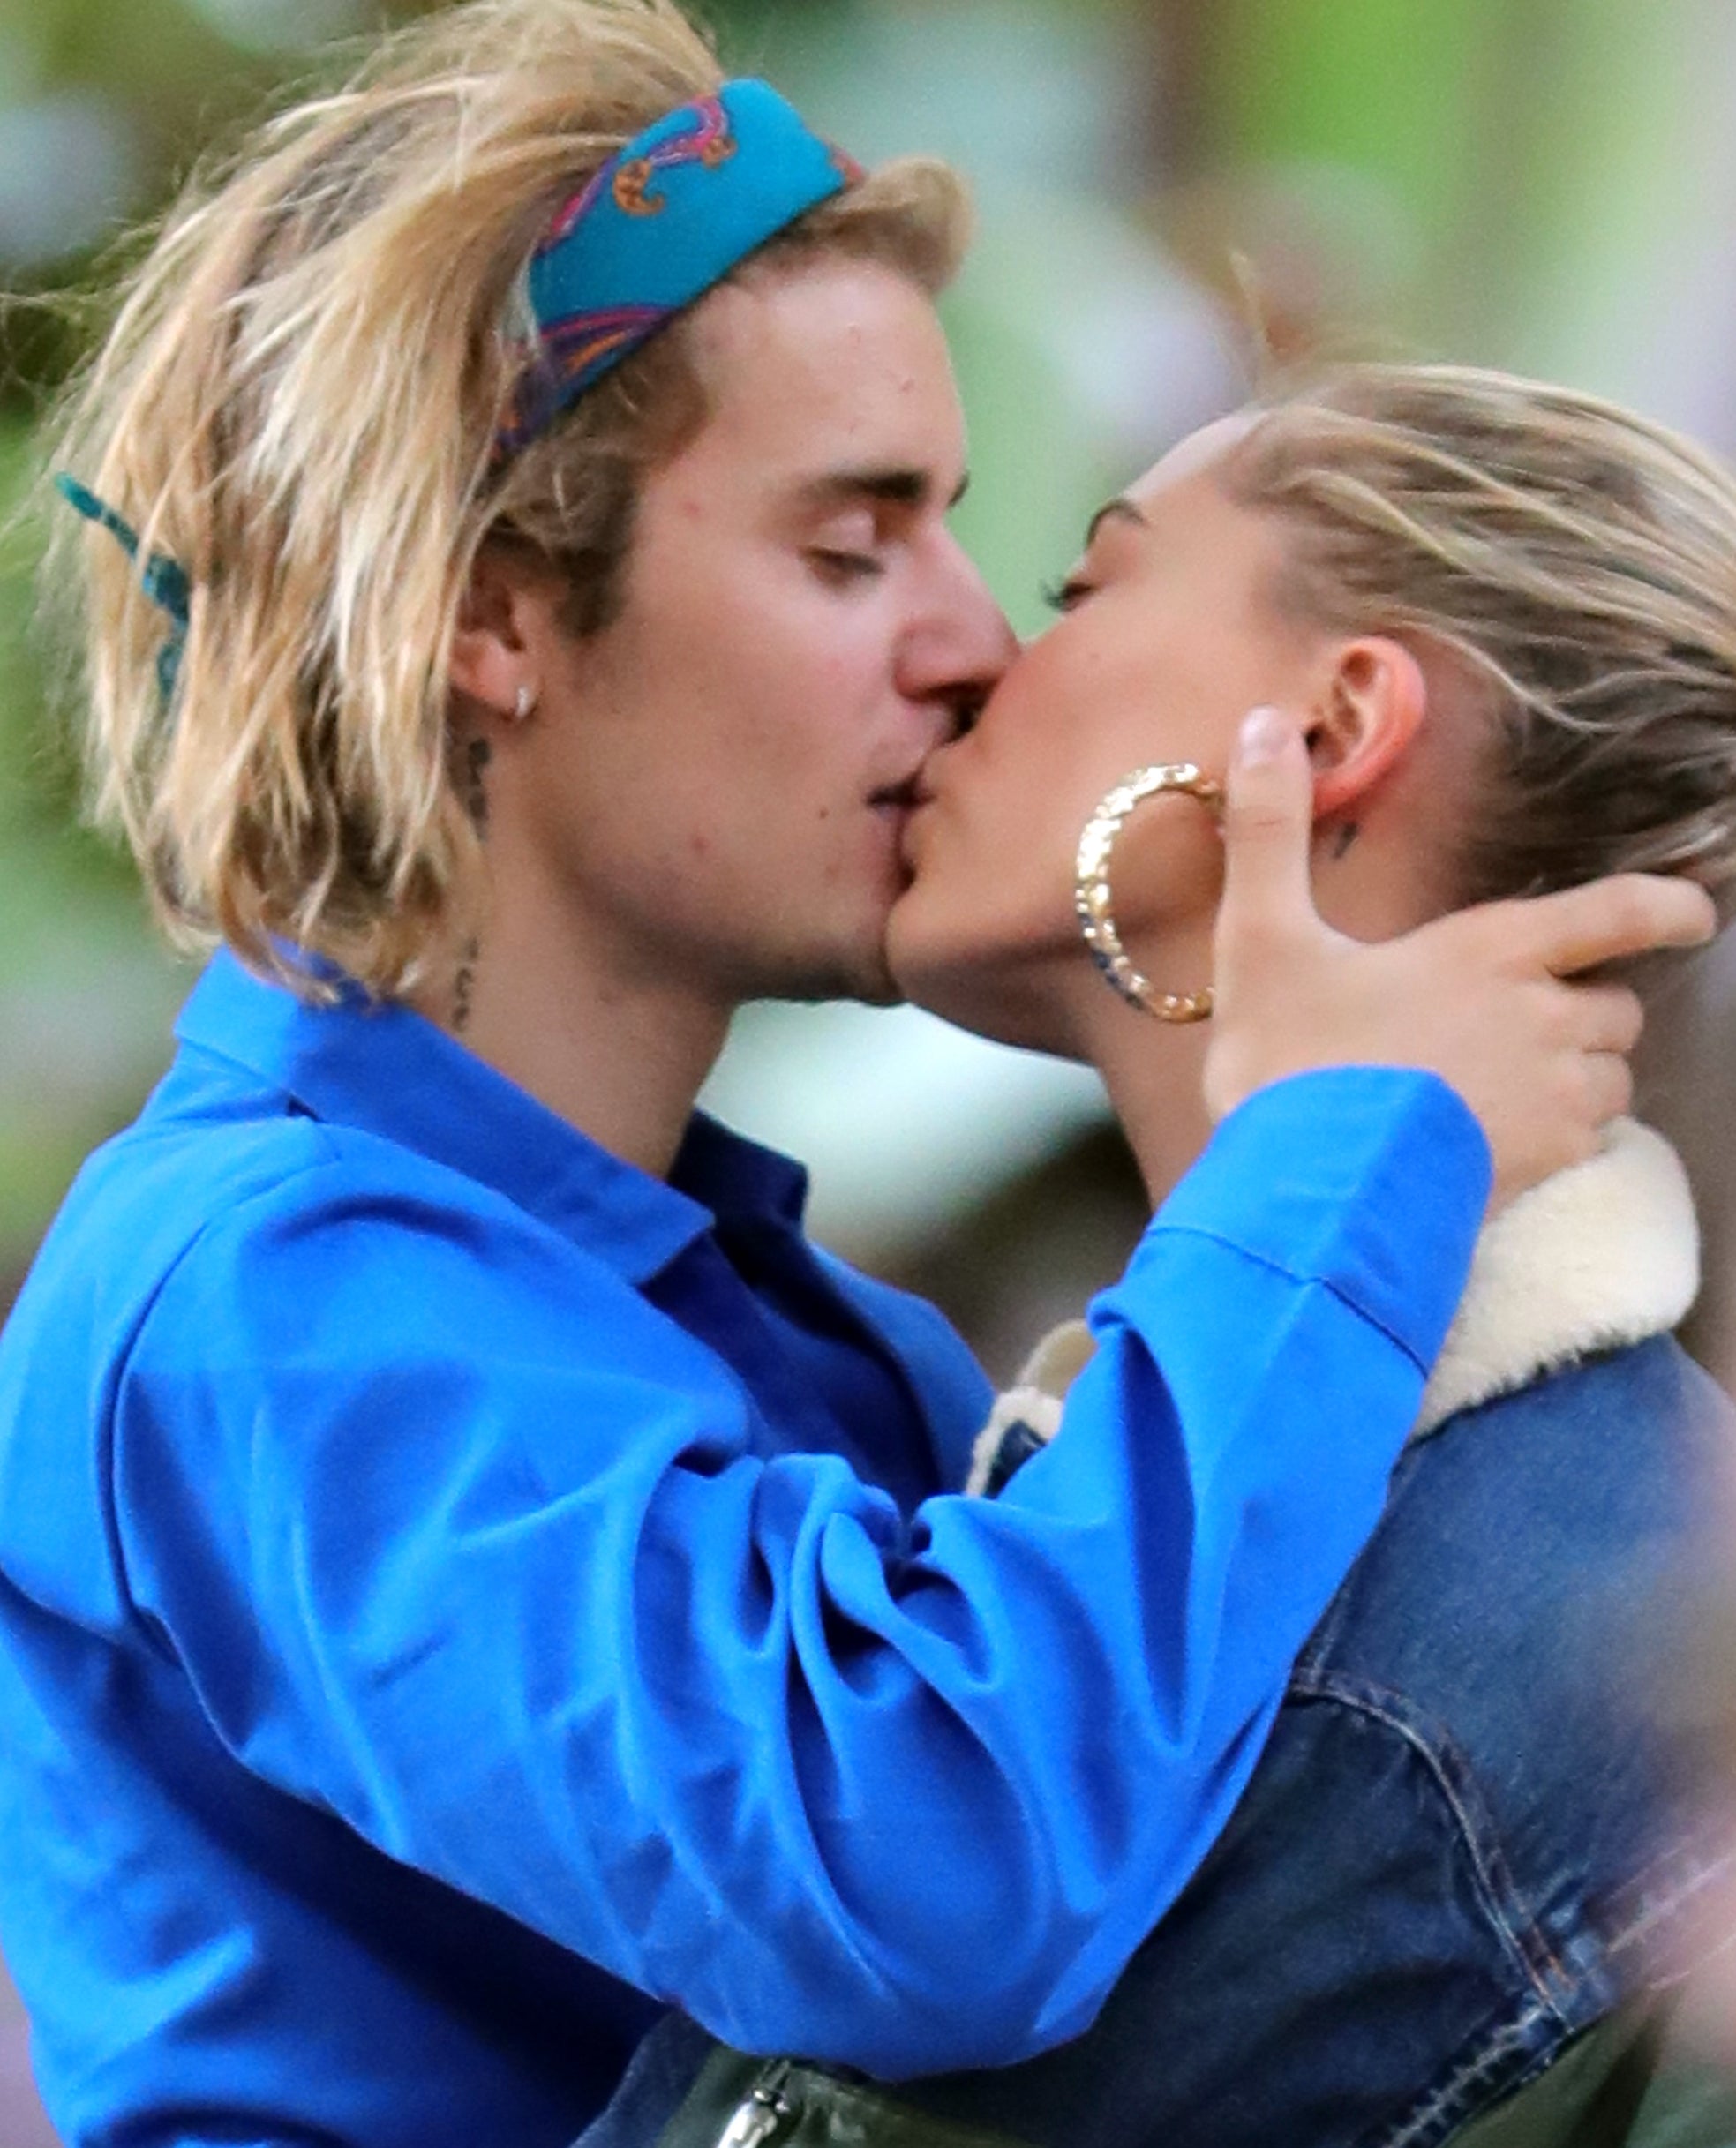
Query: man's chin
(865, 977)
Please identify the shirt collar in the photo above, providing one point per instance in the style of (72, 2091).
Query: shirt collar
(385, 1070)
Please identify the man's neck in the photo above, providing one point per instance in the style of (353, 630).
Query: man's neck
(620, 1057)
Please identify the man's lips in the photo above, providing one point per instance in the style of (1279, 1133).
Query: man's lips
(897, 807)
(899, 799)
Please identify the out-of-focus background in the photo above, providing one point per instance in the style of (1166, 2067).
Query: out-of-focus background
(1548, 184)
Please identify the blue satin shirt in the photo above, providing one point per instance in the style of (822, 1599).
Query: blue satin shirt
(459, 1594)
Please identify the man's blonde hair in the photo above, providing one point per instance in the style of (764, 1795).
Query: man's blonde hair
(1580, 565)
(298, 402)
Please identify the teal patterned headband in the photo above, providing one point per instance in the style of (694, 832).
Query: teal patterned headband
(661, 225)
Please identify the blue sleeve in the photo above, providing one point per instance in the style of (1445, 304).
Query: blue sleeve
(484, 1562)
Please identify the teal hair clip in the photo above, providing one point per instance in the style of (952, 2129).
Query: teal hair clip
(163, 580)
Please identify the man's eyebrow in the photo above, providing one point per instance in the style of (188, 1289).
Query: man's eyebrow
(1117, 511)
(891, 487)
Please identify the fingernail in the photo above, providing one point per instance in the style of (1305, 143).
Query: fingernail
(1264, 734)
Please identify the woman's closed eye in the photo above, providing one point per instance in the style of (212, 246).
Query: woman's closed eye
(1066, 596)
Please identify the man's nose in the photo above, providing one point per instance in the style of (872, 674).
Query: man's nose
(955, 652)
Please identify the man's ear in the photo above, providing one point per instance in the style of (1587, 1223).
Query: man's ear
(1365, 722)
(496, 647)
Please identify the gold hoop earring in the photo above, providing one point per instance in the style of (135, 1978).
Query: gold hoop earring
(1095, 905)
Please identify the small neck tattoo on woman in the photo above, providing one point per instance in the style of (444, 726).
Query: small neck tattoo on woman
(1341, 842)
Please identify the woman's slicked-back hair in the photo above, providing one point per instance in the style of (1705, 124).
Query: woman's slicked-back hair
(298, 402)
(1577, 563)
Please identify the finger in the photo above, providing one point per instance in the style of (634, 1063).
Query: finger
(1268, 821)
(1630, 914)
(1607, 1018)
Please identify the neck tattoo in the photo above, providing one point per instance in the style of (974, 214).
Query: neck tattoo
(464, 985)
(477, 755)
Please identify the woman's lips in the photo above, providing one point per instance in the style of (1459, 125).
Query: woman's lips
(922, 800)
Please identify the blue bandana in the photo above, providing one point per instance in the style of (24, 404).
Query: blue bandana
(661, 225)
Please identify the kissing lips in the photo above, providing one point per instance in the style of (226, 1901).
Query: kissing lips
(898, 797)
(894, 804)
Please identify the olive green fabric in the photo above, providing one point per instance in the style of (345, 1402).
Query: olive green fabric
(1686, 2106)
(758, 2103)
(1624, 2084)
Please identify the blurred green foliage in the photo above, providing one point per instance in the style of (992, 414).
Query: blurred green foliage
(85, 989)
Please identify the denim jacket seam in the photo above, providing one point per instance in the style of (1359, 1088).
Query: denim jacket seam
(1422, 2127)
(1445, 2112)
(1446, 2109)
(1454, 1780)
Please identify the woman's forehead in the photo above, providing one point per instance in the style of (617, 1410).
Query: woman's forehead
(1192, 457)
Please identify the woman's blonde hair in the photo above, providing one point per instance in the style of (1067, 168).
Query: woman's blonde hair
(298, 402)
(1577, 563)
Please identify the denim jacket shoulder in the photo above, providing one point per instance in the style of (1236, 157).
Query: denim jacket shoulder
(1463, 1844)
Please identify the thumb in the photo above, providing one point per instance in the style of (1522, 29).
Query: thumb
(1268, 829)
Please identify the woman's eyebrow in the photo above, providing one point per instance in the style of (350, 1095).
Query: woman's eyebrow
(1117, 511)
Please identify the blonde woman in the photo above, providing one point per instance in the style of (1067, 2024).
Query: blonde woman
(471, 1574)
(1461, 1879)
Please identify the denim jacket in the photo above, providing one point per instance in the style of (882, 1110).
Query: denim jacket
(1464, 1845)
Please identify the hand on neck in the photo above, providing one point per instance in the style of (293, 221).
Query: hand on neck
(1153, 1070)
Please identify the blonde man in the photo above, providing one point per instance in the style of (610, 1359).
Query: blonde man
(471, 1572)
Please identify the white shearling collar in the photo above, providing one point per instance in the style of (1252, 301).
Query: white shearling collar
(1035, 1398)
(1597, 1257)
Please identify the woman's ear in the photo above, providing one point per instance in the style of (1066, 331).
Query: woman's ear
(497, 645)
(1365, 721)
